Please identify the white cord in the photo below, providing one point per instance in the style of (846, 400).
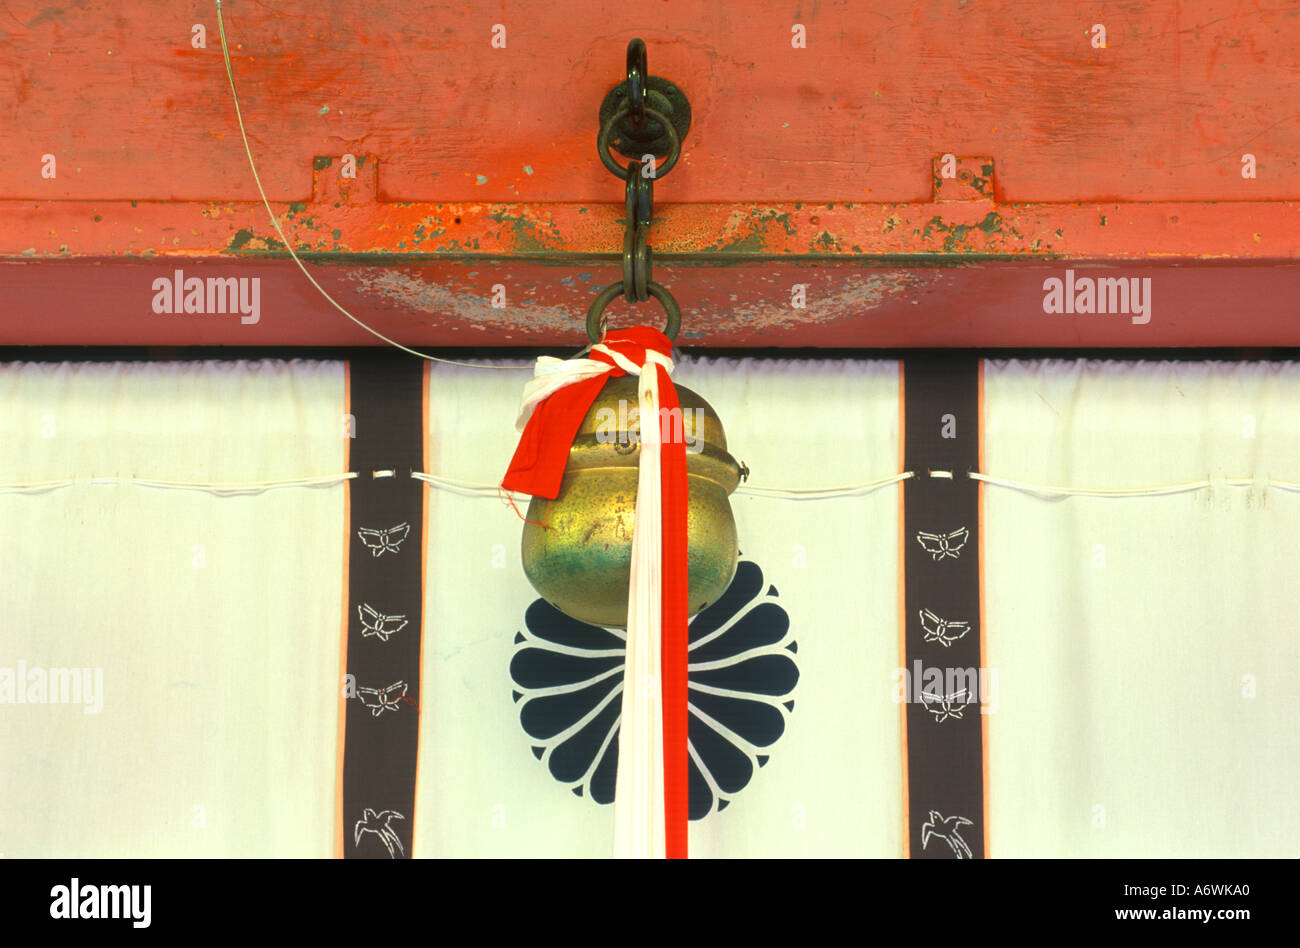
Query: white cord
(822, 493)
(1153, 491)
(225, 52)
(35, 487)
(220, 488)
(478, 489)
(466, 488)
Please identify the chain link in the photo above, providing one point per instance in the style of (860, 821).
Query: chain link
(637, 284)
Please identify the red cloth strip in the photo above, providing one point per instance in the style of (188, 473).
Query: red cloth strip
(673, 635)
(537, 469)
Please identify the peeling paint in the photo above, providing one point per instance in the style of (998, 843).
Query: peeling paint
(244, 240)
(746, 232)
(527, 236)
(838, 295)
(414, 295)
(955, 235)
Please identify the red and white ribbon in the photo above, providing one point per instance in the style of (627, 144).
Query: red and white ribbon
(650, 802)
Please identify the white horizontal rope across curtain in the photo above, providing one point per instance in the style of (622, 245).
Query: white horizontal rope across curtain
(1158, 490)
(220, 488)
(475, 489)
(466, 488)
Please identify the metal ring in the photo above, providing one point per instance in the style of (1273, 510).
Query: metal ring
(606, 130)
(642, 261)
(629, 264)
(636, 263)
(639, 196)
(637, 74)
(595, 313)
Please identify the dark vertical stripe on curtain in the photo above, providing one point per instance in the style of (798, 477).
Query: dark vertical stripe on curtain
(942, 609)
(384, 607)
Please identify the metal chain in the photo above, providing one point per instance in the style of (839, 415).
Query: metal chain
(637, 284)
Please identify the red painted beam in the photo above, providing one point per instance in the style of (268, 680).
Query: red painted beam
(345, 216)
(816, 164)
(1163, 111)
(873, 275)
(449, 302)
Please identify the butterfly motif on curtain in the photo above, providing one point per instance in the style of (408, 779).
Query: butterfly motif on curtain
(949, 830)
(944, 707)
(379, 700)
(375, 623)
(943, 631)
(381, 825)
(380, 542)
(943, 545)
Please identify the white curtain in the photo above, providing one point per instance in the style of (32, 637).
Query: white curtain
(180, 652)
(212, 624)
(1145, 646)
(830, 783)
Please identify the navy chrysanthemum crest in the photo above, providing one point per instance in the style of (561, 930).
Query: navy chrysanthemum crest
(568, 679)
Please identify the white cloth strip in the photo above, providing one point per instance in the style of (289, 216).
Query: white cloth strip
(549, 376)
(640, 828)
(221, 488)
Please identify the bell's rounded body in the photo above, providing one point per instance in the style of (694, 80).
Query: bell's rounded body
(582, 563)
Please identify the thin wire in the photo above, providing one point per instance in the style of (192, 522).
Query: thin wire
(225, 53)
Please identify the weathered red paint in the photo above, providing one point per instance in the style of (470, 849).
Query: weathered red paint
(448, 302)
(1163, 113)
(346, 217)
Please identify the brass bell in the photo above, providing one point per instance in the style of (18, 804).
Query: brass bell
(581, 560)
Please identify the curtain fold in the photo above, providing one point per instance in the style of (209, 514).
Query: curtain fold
(211, 625)
(1145, 646)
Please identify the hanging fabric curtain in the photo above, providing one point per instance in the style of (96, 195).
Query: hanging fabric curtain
(787, 735)
(1144, 645)
(177, 652)
(174, 601)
